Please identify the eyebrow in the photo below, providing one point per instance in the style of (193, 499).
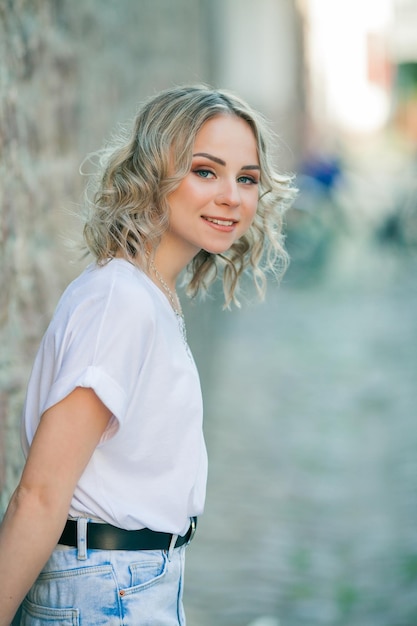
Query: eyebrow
(221, 162)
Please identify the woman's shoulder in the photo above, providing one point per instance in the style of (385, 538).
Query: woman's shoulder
(117, 276)
(116, 286)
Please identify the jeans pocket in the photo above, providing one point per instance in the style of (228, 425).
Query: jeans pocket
(146, 572)
(36, 615)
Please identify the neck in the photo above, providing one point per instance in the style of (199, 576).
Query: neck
(167, 269)
(170, 260)
(171, 294)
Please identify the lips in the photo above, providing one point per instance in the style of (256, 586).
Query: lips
(219, 221)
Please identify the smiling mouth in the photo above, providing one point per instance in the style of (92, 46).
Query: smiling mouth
(219, 222)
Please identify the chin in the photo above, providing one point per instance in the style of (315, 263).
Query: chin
(217, 249)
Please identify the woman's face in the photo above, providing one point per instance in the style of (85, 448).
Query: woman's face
(215, 203)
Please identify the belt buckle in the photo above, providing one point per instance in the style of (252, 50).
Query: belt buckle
(193, 526)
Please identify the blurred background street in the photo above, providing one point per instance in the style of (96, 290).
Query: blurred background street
(312, 509)
(310, 397)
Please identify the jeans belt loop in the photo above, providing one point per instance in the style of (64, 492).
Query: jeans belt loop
(172, 546)
(82, 538)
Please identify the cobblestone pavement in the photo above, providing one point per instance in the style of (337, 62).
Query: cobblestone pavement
(311, 426)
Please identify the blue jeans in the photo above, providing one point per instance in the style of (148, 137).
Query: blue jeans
(108, 587)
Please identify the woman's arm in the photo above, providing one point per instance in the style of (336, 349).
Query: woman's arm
(66, 438)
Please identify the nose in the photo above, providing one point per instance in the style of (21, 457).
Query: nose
(228, 194)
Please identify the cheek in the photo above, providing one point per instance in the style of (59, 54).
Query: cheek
(252, 208)
(250, 214)
(190, 195)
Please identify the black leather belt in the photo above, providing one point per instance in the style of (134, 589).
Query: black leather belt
(107, 537)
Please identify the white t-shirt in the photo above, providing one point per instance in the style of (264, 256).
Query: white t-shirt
(115, 332)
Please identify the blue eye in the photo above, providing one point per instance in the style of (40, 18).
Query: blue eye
(203, 173)
(247, 180)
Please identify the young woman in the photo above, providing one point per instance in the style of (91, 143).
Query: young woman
(116, 465)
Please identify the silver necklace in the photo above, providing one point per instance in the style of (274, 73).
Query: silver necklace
(174, 300)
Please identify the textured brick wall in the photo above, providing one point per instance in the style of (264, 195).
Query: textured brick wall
(37, 156)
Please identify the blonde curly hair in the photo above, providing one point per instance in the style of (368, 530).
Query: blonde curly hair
(129, 211)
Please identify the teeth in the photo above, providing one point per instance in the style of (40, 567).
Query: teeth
(220, 222)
